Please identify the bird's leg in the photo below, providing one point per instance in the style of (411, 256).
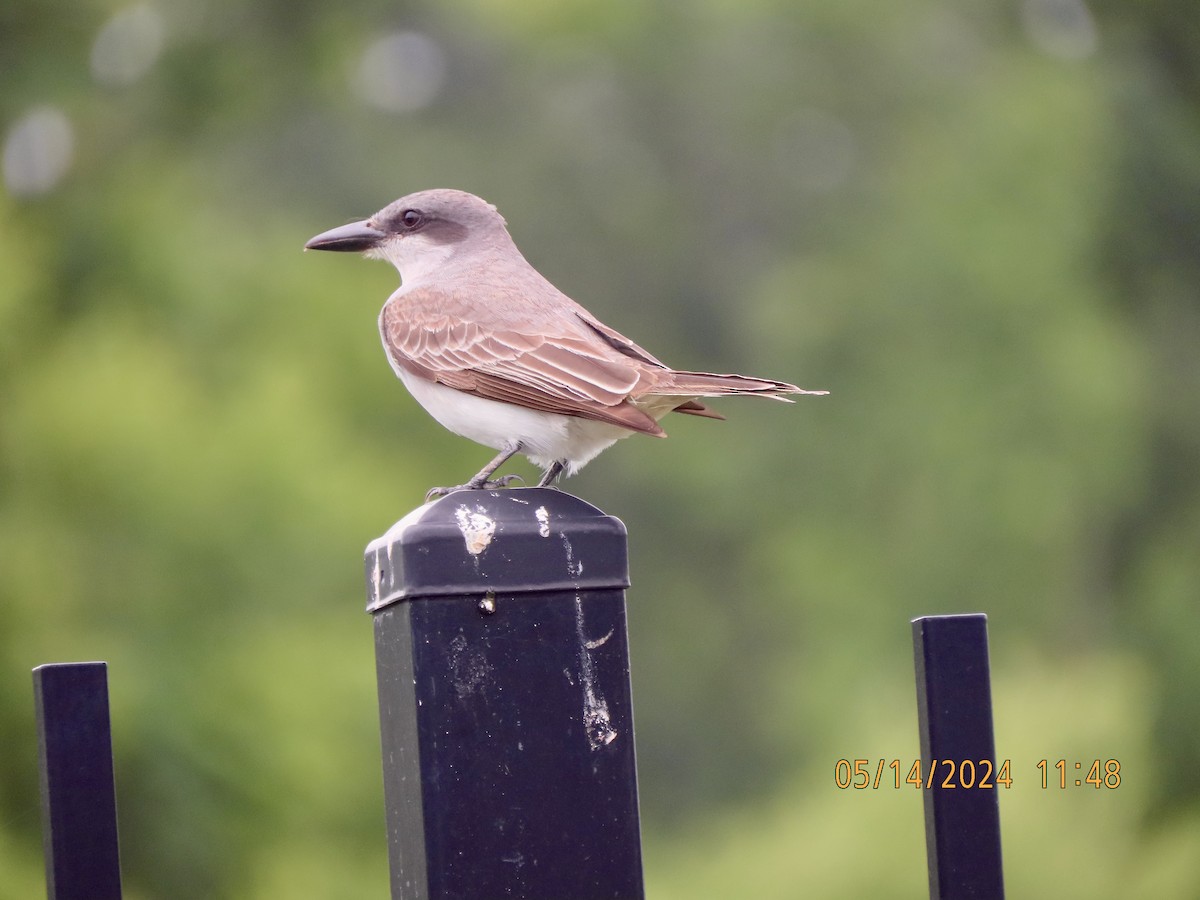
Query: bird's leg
(552, 473)
(483, 479)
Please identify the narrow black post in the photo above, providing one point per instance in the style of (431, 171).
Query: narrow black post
(504, 699)
(79, 804)
(954, 705)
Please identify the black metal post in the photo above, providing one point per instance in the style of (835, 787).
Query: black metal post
(954, 705)
(79, 804)
(504, 699)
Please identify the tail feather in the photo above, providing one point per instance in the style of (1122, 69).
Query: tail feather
(696, 408)
(707, 384)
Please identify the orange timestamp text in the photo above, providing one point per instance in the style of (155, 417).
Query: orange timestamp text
(861, 774)
(979, 774)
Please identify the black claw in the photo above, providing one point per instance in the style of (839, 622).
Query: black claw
(504, 481)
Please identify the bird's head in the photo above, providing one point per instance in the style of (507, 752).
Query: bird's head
(420, 232)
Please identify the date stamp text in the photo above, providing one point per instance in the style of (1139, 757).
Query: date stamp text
(978, 774)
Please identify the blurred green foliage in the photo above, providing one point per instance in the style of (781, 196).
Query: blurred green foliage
(977, 225)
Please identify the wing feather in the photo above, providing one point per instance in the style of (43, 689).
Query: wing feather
(550, 367)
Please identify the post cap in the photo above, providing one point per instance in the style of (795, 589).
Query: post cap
(508, 541)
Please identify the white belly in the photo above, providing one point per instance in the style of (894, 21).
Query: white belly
(545, 437)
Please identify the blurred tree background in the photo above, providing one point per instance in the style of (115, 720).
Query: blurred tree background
(976, 224)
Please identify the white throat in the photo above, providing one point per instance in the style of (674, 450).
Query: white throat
(415, 258)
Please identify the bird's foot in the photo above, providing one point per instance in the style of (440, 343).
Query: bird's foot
(495, 483)
(475, 484)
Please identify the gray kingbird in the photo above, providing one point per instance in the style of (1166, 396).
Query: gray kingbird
(498, 354)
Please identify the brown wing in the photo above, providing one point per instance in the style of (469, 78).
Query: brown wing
(619, 342)
(546, 366)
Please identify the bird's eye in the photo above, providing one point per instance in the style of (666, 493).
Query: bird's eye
(411, 218)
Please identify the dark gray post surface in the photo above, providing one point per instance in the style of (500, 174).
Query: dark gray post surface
(504, 699)
(79, 805)
(954, 706)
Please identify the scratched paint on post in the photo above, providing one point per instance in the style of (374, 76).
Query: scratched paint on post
(597, 723)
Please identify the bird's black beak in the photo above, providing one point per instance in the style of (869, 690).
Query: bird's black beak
(356, 236)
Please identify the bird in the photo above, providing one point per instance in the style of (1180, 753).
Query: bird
(497, 354)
